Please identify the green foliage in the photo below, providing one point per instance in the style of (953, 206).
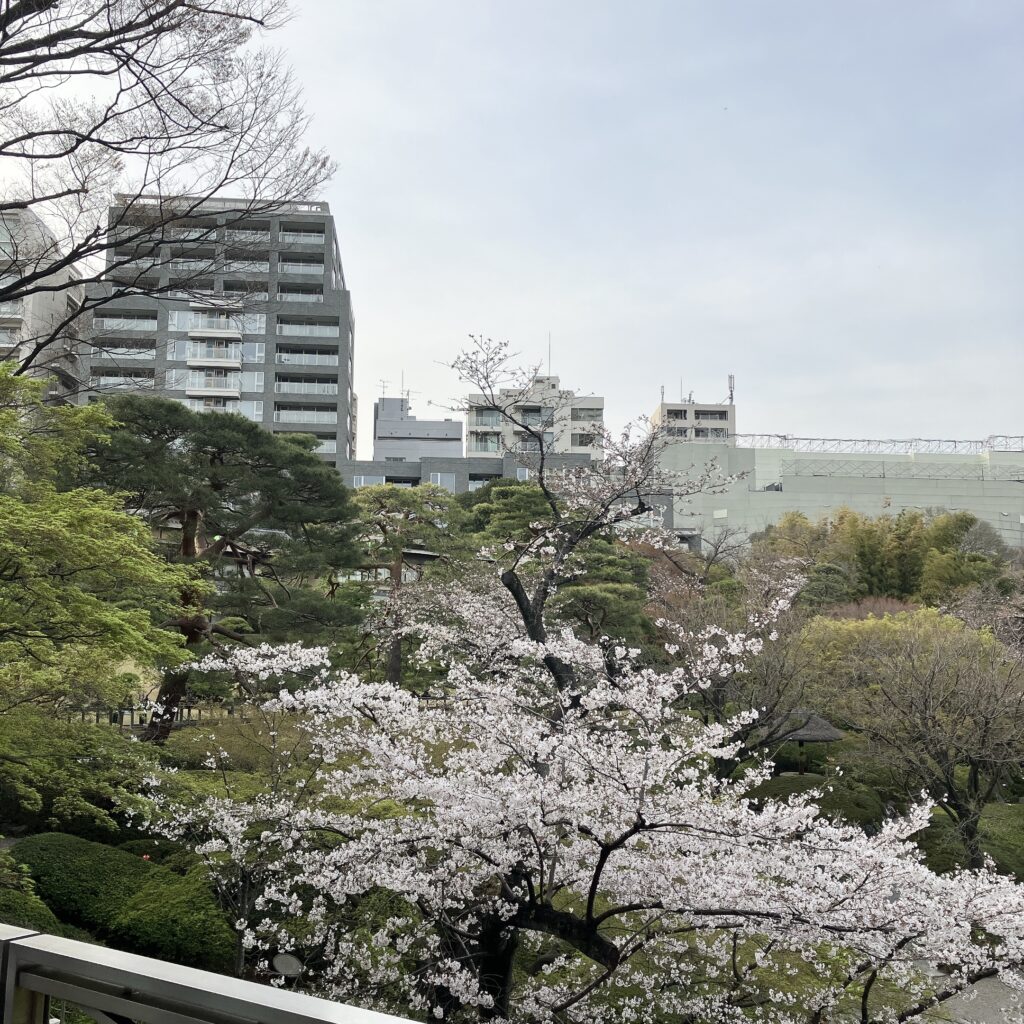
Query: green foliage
(69, 775)
(1002, 837)
(79, 588)
(907, 557)
(257, 512)
(135, 904)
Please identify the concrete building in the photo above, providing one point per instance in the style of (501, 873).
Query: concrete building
(261, 324)
(572, 423)
(399, 436)
(819, 476)
(27, 244)
(458, 475)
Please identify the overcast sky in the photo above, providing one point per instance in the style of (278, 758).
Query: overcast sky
(822, 198)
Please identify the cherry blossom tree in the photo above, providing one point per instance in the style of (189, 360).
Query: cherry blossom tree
(545, 835)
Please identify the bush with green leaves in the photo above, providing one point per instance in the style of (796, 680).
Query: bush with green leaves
(133, 903)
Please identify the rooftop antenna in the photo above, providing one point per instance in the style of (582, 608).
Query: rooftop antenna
(680, 390)
(383, 386)
(662, 394)
(732, 386)
(549, 353)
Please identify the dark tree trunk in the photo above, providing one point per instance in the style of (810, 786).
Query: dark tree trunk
(173, 688)
(498, 945)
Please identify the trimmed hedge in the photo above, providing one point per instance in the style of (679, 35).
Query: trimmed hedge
(23, 910)
(134, 904)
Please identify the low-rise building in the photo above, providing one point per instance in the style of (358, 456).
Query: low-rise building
(400, 436)
(776, 474)
(458, 475)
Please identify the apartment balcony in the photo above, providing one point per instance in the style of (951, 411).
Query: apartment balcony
(213, 389)
(123, 383)
(117, 354)
(217, 362)
(217, 333)
(305, 416)
(286, 267)
(306, 358)
(11, 309)
(301, 237)
(306, 387)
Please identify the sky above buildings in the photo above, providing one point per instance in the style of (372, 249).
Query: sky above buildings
(822, 198)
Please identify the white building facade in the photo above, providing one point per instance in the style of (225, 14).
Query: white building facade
(819, 476)
(571, 424)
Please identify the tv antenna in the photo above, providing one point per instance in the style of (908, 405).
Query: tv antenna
(383, 386)
(732, 386)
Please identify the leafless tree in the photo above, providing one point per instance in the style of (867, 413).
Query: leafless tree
(157, 108)
(943, 708)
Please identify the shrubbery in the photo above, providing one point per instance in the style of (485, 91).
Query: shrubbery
(136, 904)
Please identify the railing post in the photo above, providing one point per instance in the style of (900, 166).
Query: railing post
(19, 1005)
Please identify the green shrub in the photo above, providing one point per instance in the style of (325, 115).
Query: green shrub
(24, 910)
(135, 904)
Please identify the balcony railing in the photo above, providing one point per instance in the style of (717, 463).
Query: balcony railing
(108, 985)
(299, 268)
(307, 358)
(306, 387)
(121, 382)
(305, 416)
(110, 352)
(308, 330)
(300, 296)
(302, 237)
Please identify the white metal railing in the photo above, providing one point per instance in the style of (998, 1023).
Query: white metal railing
(309, 330)
(302, 237)
(307, 358)
(124, 323)
(11, 308)
(300, 296)
(327, 448)
(246, 267)
(299, 268)
(305, 416)
(121, 382)
(247, 235)
(109, 352)
(109, 985)
(867, 446)
(306, 387)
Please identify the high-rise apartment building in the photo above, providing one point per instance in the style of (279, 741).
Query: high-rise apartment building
(34, 325)
(260, 324)
(400, 436)
(571, 423)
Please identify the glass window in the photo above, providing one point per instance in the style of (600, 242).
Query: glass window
(367, 481)
(587, 413)
(445, 480)
(522, 474)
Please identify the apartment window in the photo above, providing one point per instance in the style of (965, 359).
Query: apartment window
(587, 413)
(367, 481)
(327, 446)
(711, 414)
(487, 417)
(710, 432)
(300, 295)
(445, 480)
(484, 442)
(581, 440)
(676, 414)
(522, 474)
